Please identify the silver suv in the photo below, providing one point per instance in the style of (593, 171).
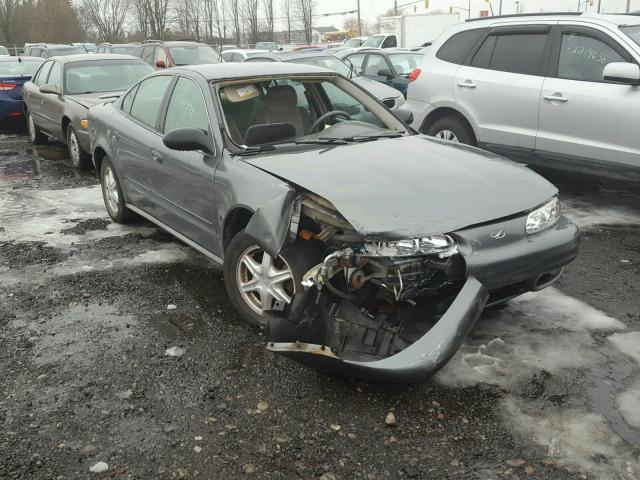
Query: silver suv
(559, 90)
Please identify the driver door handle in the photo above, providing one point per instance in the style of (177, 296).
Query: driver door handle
(556, 97)
(467, 84)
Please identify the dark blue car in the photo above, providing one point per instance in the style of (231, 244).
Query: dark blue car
(15, 72)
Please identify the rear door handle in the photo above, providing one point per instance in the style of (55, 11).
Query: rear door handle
(467, 84)
(556, 97)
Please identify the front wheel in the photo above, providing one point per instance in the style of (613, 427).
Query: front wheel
(257, 283)
(35, 134)
(112, 193)
(451, 129)
(79, 158)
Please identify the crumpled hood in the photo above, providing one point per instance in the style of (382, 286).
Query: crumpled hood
(411, 187)
(379, 90)
(89, 100)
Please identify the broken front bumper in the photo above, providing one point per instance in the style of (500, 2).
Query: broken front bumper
(415, 363)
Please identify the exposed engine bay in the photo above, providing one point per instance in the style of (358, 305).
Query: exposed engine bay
(366, 299)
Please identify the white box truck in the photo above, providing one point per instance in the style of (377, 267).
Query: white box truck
(417, 29)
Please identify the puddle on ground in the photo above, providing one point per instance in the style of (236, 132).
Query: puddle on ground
(173, 324)
(23, 170)
(50, 151)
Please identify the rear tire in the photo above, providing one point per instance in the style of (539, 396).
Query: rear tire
(35, 134)
(112, 193)
(452, 129)
(79, 158)
(246, 288)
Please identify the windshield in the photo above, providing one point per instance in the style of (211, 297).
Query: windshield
(19, 67)
(329, 62)
(633, 32)
(297, 110)
(266, 46)
(58, 51)
(103, 76)
(124, 49)
(352, 43)
(403, 63)
(194, 55)
(373, 42)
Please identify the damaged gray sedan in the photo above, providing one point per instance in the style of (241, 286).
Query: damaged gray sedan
(363, 248)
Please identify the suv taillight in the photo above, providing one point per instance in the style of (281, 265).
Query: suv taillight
(415, 73)
(7, 86)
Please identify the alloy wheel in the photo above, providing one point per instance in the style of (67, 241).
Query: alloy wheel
(447, 135)
(264, 281)
(110, 188)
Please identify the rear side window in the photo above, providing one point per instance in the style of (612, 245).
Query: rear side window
(455, 49)
(148, 101)
(147, 54)
(515, 53)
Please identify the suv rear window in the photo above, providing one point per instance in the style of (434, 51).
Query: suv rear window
(455, 49)
(515, 53)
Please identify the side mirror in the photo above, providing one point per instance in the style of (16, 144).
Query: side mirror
(50, 89)
(187, 139)
(161, 64)
(385, 72)
(405, 115)
(622, 72)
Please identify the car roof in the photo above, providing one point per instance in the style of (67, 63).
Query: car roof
(88, 57)
(226, 71)
(611, 19)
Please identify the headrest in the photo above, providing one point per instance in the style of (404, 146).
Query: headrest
(281, 97)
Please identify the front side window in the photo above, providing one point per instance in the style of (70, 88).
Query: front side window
(357, 60)
(148, 102)
(186, 107)
(456, 49)
(55, 77)
(583, 57)
(103, 76)
(375, 63)
(515, 53)
(127, 101)
(147, 54)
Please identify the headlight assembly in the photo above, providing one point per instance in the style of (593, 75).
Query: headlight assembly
(544, 217)
(441, 245)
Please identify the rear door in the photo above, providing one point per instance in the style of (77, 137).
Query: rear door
(499, 86)
(183, 181)
(51, 104)
(139, 139)
(582, 116)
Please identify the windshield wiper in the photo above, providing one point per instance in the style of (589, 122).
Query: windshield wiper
(364, 138)
(322, 141)
(256, 149)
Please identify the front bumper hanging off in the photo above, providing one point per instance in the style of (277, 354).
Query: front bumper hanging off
(415, 363)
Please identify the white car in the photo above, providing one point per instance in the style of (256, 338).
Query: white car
(548, 89)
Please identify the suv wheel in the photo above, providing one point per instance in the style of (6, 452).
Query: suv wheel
(112, 193)
(256, 282)
(452, 129)
(79, 158)
(35, 135)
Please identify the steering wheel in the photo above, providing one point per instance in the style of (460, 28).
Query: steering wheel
(322, 118)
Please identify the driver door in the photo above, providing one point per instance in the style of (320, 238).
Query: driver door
(376, 67)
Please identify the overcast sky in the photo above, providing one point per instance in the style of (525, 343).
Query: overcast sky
(371, 9)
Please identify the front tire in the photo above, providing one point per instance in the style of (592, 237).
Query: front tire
(452, 129)
(256, 282)
(112, 193)
(79, 158)
(35, 134)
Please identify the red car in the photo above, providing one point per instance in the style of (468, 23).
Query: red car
(161, 54)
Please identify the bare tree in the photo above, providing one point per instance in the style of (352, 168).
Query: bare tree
(156, 15)
(142, 18)
(250, 16)
(8, 10)
(189, 16)
(211, 17)
(53, 21)
(305, 10)
(234, 10)
(267, 6)
(286, 12)
(108, 17)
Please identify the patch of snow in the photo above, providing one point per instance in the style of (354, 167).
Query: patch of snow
(588, 214)
(629, 406)
(174, 352)
(99, 467)
(627, 343)
(574, 437)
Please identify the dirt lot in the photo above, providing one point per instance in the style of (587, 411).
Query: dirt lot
(547, 387)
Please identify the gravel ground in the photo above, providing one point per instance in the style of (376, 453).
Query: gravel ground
(547, 387)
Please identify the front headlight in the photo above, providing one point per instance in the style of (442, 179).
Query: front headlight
(442, 245)
(544, 217)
